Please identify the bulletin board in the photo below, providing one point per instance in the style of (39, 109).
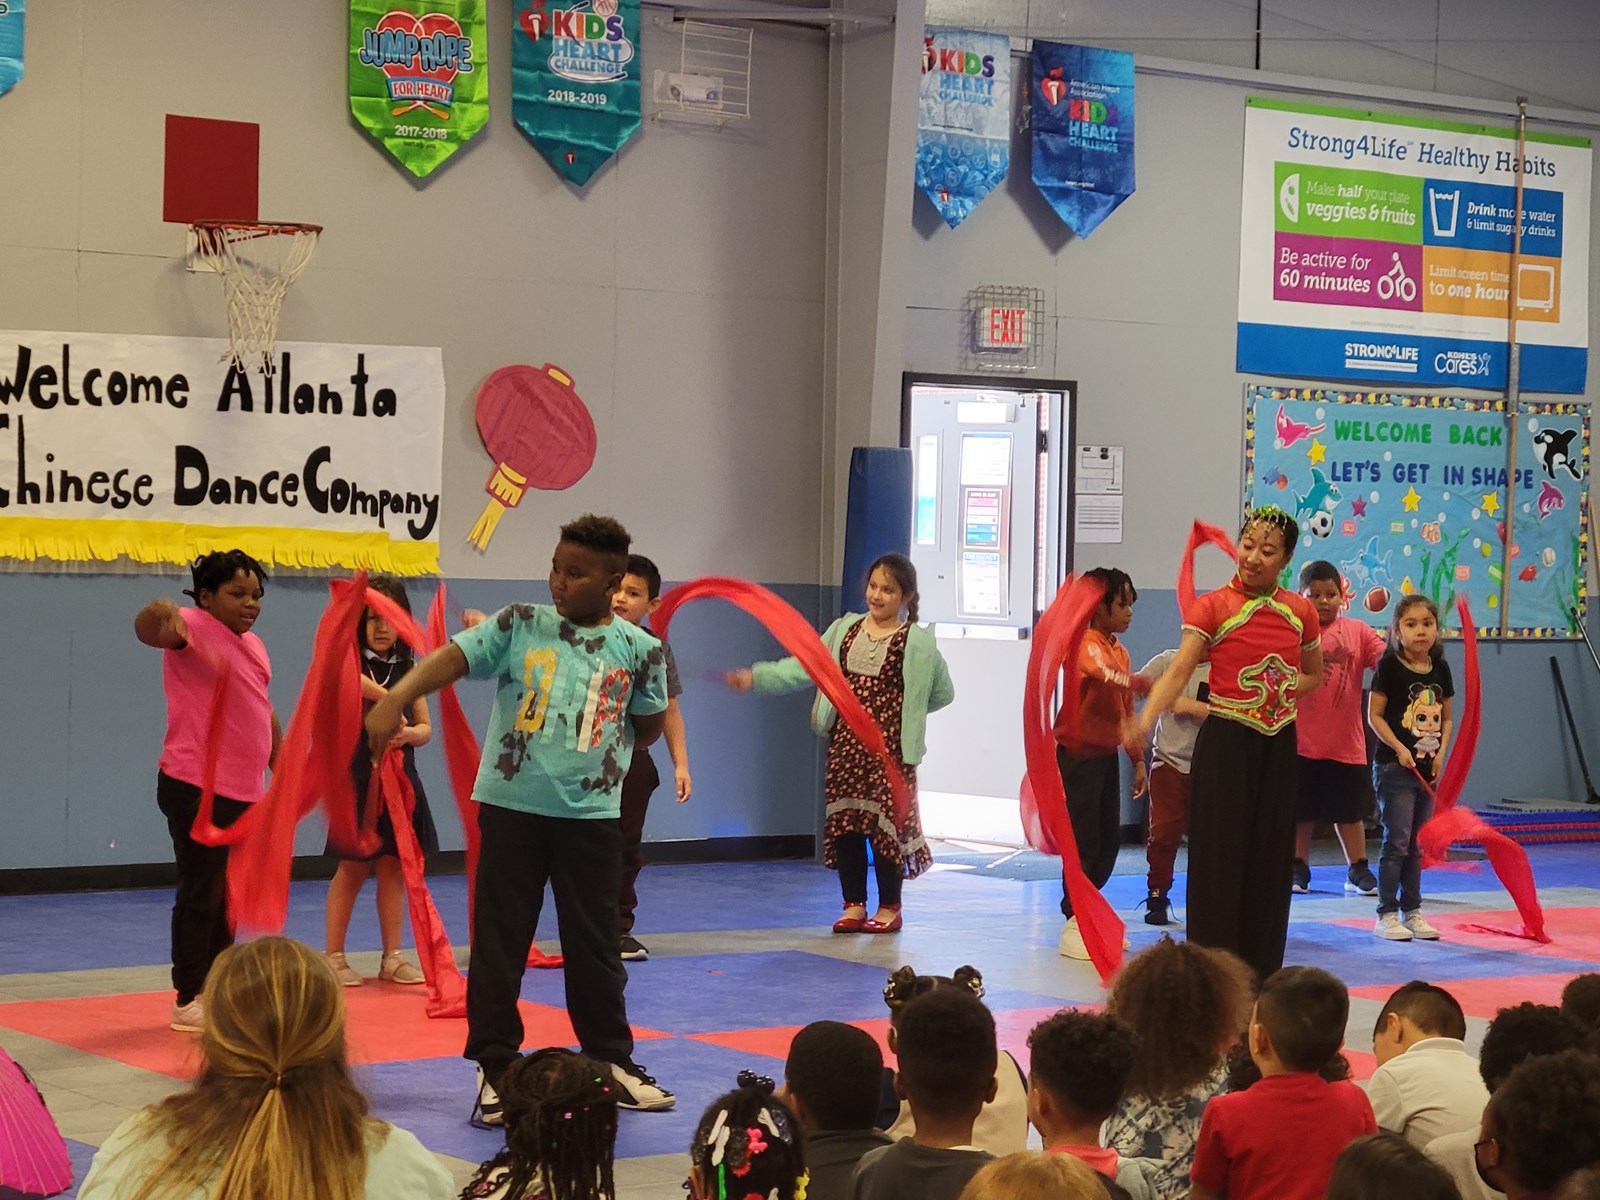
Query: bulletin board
(1408, 493)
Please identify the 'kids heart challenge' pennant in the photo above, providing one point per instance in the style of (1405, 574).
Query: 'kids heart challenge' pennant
(964, 119)
(575, 80)
(1082, 131)
(10, 44)
(419, 76)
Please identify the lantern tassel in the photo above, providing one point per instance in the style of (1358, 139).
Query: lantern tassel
(506, 488)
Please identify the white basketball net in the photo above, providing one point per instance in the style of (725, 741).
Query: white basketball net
(257, 263)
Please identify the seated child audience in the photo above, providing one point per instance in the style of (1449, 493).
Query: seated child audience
(1029, 1175)
(947, 1056)
(1580, 1000)
(1080, 1064)
(1426, 1084)
(1517, 1033)
(1542, 1125)
(1385, 1166)
(831, 1083)
(748, 1143)
(1187, 1004)
(273, 1108)
(1279, 1139)
(1585, 1185)
(1002, 1126)
(561, 1131)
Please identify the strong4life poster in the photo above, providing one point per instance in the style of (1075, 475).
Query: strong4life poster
(575, 80)
(419, 76)
(1380, 247)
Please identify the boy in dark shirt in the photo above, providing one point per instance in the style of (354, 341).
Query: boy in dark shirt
(1279, 1139)
(946, 1044)
(831, 1084)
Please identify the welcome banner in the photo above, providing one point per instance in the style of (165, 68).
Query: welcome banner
(419, 76)
(154, 449)
(575, 80)
(1378, 247)
(1409, 493)
(10, 44)
(1082, 131)
(964, 121)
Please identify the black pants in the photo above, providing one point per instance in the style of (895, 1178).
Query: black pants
(1094, 805)
(580, 860)
(200, 928)
(1241, 840)
(850, 856)
(638, 784)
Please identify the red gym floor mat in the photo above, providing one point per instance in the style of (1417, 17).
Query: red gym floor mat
(1487, 996)
(1573, 932)
(386, 1023)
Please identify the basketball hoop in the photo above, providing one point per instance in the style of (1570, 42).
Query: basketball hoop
(257, 261)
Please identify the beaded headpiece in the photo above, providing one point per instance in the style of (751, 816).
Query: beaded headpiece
(1277, 518)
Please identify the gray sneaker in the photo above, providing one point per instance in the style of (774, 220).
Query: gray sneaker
(1390, 928)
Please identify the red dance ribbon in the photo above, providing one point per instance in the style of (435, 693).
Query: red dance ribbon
(1200, 534)
(1451, 824)
(797, 636)
(538, 959)
(461, 754)
(1058, 639)
(447, 987)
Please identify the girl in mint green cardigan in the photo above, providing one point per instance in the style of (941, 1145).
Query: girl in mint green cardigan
(895, 669)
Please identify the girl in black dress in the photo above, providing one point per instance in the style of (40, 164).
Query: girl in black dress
(384, 660)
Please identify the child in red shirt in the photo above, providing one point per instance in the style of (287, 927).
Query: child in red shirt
(1278, 1140)
(1088, 759)
(1330, 734)
(1263, 643)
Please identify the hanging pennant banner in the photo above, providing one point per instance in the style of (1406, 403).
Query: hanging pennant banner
(419, 76)
(1082, 131)
(964, 124)
(10, 44)
(575, 80)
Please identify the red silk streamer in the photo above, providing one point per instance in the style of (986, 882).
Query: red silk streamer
(461, 753)
(447, 987)
(1451, 824)
(1201, 534)
(1058, 639)
(796, 636)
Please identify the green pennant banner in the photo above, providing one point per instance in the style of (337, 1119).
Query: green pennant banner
(575, 80)
(419, 76)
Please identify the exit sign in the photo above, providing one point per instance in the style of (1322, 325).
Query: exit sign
(1003, 328)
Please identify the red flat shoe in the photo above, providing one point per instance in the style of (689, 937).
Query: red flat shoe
(849, 924)
(873, 925)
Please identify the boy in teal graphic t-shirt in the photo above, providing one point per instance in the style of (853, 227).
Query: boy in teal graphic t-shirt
(576, 690)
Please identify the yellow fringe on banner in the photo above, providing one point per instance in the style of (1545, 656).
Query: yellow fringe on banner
(31, 538)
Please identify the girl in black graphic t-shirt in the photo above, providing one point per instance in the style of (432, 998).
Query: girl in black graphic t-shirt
(1410, 713)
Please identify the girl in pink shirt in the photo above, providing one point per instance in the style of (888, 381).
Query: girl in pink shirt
(197, 643)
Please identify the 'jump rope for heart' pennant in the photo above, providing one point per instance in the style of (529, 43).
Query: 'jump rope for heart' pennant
(11, 44)
(419, 76)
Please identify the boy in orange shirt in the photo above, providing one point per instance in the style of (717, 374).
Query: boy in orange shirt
(1088, 758)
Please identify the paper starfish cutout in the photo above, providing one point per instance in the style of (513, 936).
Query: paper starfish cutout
(1412, 499)
(1359, 506)
(1491, 503)
(1316, 452)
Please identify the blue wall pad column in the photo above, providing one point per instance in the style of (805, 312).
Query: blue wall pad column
(877, 514)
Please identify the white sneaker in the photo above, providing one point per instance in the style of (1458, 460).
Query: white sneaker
(640, 1091)
(1071, 943)
(190, 1017)
(486, 1110)
(1419, 927)
(1389, 927)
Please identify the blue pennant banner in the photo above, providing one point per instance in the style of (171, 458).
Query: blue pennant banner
(1082, 131)
(964, 125)
(575, 80)
(10, 44)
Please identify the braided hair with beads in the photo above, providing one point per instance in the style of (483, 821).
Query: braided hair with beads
(561, 1131)
(748, 1146)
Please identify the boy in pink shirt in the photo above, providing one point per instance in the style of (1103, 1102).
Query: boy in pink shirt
(1278, 1139)
(197, 643)
(1334, 778)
